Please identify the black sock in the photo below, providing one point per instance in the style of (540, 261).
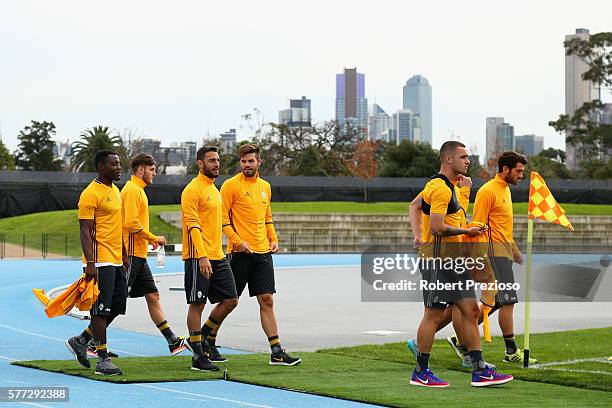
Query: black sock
(86, 336)
(212, 339)
(275, 345)
(510, 343)
(195, 341)
(166, 331)
(422, 362)
(102, 352)
(210, 325)
(463, 349)
(477, 360)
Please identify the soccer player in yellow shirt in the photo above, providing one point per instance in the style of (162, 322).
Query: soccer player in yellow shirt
(137, 237)
(207, 272)
(247, 222)
(104, 259)
(493, 206)
(442, 228)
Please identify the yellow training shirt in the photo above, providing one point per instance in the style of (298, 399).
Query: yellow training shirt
(102, 204)
(437, 194)
(247, 215)
(493, 206)
(201, 207)
(136, 234)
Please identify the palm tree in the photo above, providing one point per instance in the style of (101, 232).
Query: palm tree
(92, 141)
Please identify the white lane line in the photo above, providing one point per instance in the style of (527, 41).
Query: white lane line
(62, 340)
(8, 358)
(192, 394)
(571, 370)
(565, 362)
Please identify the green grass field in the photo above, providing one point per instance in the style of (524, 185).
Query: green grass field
(380, 374)
(62, 227)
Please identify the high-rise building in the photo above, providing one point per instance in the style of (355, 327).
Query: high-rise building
(351, 103)
(228, 140)
(500, 137)
(298, 114)
(577, 92)
(190, 150)
(379, 122)
(405, 125)
(529, 145)
(417, 98)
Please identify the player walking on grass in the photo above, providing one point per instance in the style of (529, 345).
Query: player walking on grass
(441, 222)
(247, 222)
(137, 237)
(207, 272)
(104, 259)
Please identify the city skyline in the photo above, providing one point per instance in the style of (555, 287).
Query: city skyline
(148, 77)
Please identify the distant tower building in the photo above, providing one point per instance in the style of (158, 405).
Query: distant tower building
(500, 137)
(529, 145)
(351, 103)
(577, 92)
(417, 98)
(298, 114)
(190, 150)
(405, 125)
(228, 140)
(379, 122)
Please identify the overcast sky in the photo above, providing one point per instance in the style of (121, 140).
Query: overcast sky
(179, 70)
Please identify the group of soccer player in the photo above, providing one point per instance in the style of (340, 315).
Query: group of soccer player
(115, 236)
(439, 225)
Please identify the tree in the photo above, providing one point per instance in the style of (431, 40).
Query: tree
(7, 161)
(409, 160)
(92, 141)
(363, 163)
(548, 167)
(585, 129)
(35, 151)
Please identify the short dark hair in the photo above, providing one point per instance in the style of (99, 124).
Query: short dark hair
(101, 157)
(205, 149)
(141, 159)
(248, 149)
(510, 159)
(449, 148)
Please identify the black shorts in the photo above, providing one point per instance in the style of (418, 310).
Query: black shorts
(443, 298)
(220, 286)
(502, 267)
(112, 283)
(140, 279)
(255, 269)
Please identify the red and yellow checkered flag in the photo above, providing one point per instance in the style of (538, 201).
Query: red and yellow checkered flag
(543, 205)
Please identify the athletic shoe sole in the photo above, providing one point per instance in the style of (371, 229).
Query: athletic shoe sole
(495, 382)
(223, 360)
(109, 375)
(74, 353)
(202, 369)
(178, 350)
(282, 363)
(452, 345)
(420, 384)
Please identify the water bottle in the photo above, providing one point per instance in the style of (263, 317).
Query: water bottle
(161, 257)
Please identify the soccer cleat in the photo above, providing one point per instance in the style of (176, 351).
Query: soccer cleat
(106, 367)
(518, 357)
(282, 358)
(488, 376)
(78, 350)
(93, 353)
(413, 347)
(427, 379)
(453, 342)
(212, 352)
(178, 346)
(203, 364)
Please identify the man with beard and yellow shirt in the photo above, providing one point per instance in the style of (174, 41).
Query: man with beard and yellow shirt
(207, 273)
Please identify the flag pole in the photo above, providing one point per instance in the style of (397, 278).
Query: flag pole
(528, 290)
